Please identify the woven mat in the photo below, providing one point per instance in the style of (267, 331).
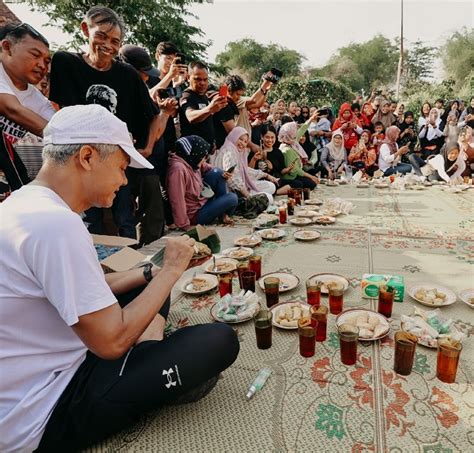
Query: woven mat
(319, 404)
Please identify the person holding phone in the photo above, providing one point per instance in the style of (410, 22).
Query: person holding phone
(390, 154)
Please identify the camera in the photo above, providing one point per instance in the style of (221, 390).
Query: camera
(274, 75)
(180, 58)
(171, 92)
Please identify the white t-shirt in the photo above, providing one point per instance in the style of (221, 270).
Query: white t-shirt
(387, 160)
(49, 276)
(31, 98)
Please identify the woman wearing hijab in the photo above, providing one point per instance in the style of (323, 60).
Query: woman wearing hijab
(466, 145)
(334, 156)
(349, 125)
(294, 155)
(431, 134)
(366, 116)
(408, 135)
(186, 176)
(363, 156)
(384, 115)
(448, 165)
(233, 158)
(467, 116)
(390, 154)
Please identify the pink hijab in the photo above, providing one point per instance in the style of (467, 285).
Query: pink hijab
(287, 135)
(391, 134)
(241, 157)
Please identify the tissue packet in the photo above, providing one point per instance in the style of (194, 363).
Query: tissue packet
(370, 284)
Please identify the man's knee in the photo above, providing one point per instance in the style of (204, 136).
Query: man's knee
(226, 340)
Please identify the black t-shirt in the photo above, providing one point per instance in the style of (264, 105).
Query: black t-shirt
(277, 160)
(120, 89)
(229, 112)
(194, 101)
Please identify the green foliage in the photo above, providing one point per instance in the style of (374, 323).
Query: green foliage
(458, 56)
(251, 59)
(363, 65)
(424, 91)
(419, 62)
(148, 21)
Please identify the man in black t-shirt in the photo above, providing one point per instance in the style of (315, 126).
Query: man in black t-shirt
(224, 121)
(95, 77)
(195, 108)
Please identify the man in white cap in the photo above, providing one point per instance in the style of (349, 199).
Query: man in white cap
(82, 354)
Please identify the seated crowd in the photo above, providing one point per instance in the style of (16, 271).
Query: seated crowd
(84, 355)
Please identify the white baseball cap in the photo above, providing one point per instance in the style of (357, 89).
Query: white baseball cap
(88, 124)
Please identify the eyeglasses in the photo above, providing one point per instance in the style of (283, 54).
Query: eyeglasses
(31, 31)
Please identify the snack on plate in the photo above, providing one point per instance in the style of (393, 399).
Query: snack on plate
(247, 241)
(288, 314)
(430, 296)
(271, 233)
(266, 220)
(199, 284)
(235, 308)
(201, 250)
(370, 324)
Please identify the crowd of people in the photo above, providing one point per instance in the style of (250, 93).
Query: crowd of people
(163, 147)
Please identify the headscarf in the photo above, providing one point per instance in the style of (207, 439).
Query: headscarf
(365, 118)
(447, 147)
(287, 135)
(391, 135)
(337, 153)
(242, 162)
(193, 149)
(387, 119)
(346, 107)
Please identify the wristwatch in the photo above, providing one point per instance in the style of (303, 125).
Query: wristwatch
(147, 272)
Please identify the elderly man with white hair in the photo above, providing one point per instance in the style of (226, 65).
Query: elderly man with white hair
(83, 354)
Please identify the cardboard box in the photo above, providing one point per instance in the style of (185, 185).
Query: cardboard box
(122, 260)
(370, 284)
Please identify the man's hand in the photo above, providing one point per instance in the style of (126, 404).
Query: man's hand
(314, 117)
(146, 152)
(217, 104)
(168, 106)
(178, 253)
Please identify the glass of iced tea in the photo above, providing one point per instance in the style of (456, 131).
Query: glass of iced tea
(291, 206)
(307, 334)
(448, 359)
(336, 298)
(272, 290)
(306, 193)
(385, 306)
(242, 266)
(282, 214)
(255, 264)
(225, 284)
(348, 337)
(248, 281)
(263, 328)
(405, 347)
(313, 292)
(319, 315)
(298, 196)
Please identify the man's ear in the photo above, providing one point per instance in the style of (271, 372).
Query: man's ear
(6, 46)
(86, 157)
(85, 28)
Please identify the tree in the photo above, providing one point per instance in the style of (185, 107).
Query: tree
(363, 65)
(251, 59)
(458, 56)
(419, 62)
(148, 21)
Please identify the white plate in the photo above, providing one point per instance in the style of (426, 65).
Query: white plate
(331, 212)
(313, 202)
(381, 186)
(450, 296)
(305, 308)
(287, 281)
(272, 234)
(216, 318)
(325, 220)
(248, 241)
(332, 183)
(307, 235)
(421, 342)
(238, 253)
(300, 221)
(326, 278)
(211, 283)
(266, 221)
(229, 265)
(306, 213)
(466, 295)
(362, 186)
(340, 319)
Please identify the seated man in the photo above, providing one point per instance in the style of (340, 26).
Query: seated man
(77, 365)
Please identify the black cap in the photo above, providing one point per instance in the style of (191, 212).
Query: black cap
(139, 58)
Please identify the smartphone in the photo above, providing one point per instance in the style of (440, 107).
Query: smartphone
(231, 169)
(163, 93)
(277, 73)
(180, 58)
(224, 91)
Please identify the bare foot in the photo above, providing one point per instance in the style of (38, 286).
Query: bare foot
(154, 331)
(227, 220)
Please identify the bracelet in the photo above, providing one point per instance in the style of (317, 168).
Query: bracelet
(147, 272)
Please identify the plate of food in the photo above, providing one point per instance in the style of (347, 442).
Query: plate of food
(362, 185)
(222, 266)
(236, 308)
(307, 235)
(432, 295)
(266, 221)
(330, 279)
(300, 221)
(372, 325)
(286, 314)
(467, 296)
(306, 213)
(237, 253)
(287, 281)
(313, 202)
(201, 251)
(272, 234)
(251, 240)
(381, 185)
(331, 212)
(325, 220)
(332, 183)
(199, 284)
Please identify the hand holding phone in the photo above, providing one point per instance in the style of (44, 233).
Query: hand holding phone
(224, 91)
(231, 169)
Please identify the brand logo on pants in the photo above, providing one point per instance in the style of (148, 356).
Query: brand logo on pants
(169, 377)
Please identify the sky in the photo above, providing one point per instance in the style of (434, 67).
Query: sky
(315, 28)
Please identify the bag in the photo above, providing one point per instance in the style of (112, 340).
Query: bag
(251, 207)
(206, 191)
